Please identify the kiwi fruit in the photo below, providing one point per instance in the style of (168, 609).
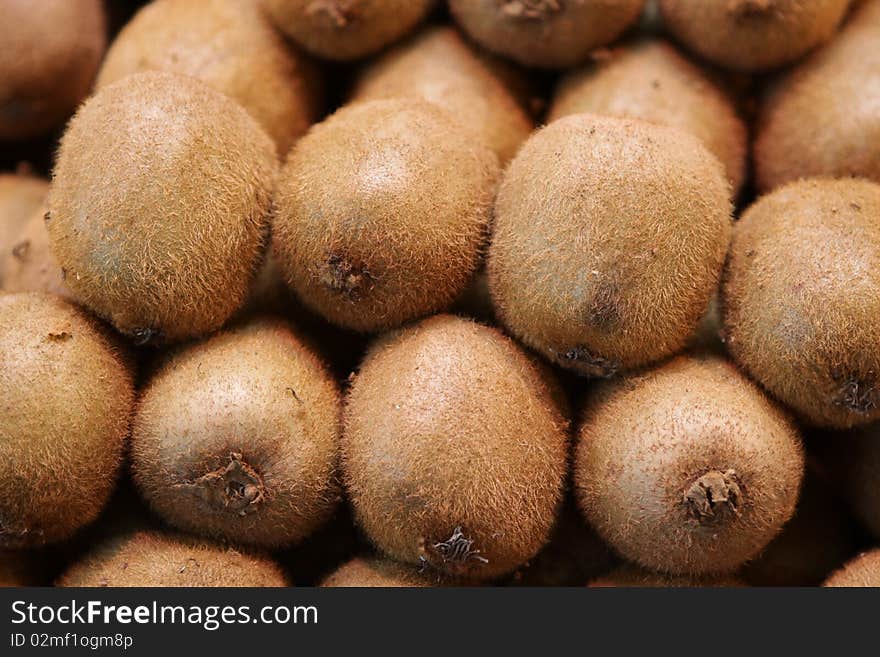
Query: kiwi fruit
(344, 30)
(800, 307)
(752, 35)
(67, 395)
(454, 449)
(159, 559)
(29, 265)
(439, 66)
(545, 33)
(230, 45)
(237, 437)
(159, 230)
(861, 572)
(610, 235)
(629, 576)
(372, 572)
(48, 62)
(382, 212)
(20, 196)
(650, 80)
(821, 119)
(687, 468)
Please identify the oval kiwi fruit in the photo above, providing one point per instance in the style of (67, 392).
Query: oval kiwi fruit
(160, 231)
(365, 572)
(237, 437)
(382, 213)
(439, 66)
(156, 558)
(629, 576)
(800, 307)
(20, 196)
(48, 61)
(752, 35)
(454, 449)
(29, 265)
(861, 572)
(344, 30)
(651, 80)
(687, 468)
(610, 235)
(67, 394)
(821, 119)
(545, 33)
(230, 45)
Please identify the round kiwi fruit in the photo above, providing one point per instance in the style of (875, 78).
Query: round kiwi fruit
(439, 66)
(800, 306)
(651, 80)
(156, 558)
(344, 30)
(230, 45)
(160, 231)
(687, 468)
(237, 437)
(752, 35)
(454, 449)
(861, 572)
(545, 33)
(382, 212)
(610, 235)
(67, 395)
(629, 576)
(48, 61)
(821, 119)
(365, 572)
(20, 196)
(29, 265)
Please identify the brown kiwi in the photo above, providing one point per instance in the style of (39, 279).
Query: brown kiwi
(861, 572)
(454, 449)
(651, 80)
(47, 63)
(687, 468)
(800, 306)
(346, 29)
(382, 213)
(230, 45)
(159, 230)
(363, 572)
(610, 236)
(20, 196)
(545, 33)
(156, 558)
(29, 265)
(237, 437)
(821, 119)
(629, 576)
(67, 395)
(439, 66)
(752, 35)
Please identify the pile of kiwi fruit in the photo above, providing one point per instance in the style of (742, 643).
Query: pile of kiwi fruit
(385, 293)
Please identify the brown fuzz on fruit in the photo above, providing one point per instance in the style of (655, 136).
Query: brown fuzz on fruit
(545, 33)
(861, 572)
(20, 196)
(687, 468)
(160, 231)
(454, 449)
(373, 572)
(344, 30)
(382, 213)
(29, 265)
(800, 306)
(628, 576)
(237, 437)
(609, 239)
(66, 396)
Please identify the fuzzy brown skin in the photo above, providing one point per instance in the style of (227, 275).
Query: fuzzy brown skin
(344, 30)
(65, 401)
(687, 468)
(155, 558)
(439, 66)
(20, 196)
(822, 119)
(610, 235)
(545, 33)
(28, 265)
(629, 576)
(237, 437)
(650, 80)
(230, 45)
(861, 572)
(752, 35)
(800, 306)
(47, 63)
(158, 227)
(363, 572)
(382, 213)
(454, 449)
